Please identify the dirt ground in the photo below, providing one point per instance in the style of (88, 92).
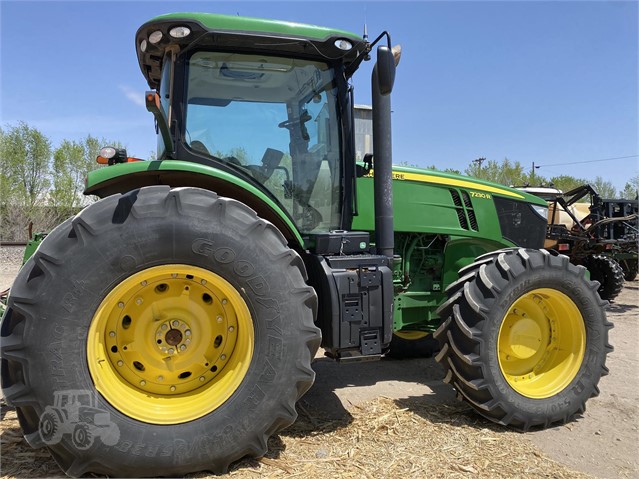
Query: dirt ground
(603, 443)
(391, 418)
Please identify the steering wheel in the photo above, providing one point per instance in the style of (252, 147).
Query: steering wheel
(288, 123)
(305, 116)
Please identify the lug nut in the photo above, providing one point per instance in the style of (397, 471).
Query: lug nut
(223, 357)
(231, 328)
(120, 363)
(143, 383)
(201, 379)
(176, 323)
(143, 283)
(112, 334)
(171, 351)
(183, 347)
(203, 282)
(120, 304)
(220, 319)
(172, 388)
(138, 301)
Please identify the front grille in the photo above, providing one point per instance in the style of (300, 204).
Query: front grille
(520, 224)
(471, 213)
(465, 212)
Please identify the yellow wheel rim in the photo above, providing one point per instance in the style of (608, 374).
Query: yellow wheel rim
(411, 335)
(541, 343)
(170, 344)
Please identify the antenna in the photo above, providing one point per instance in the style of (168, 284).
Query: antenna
(365, 30)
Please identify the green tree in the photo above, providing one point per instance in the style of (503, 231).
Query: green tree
(72, 162)
(445, 170)
(506, 172)
(25, 155)
(605, 188)
(631, 188)
(566, 183)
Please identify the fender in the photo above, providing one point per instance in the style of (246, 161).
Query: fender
(124, 177)
(461, 251)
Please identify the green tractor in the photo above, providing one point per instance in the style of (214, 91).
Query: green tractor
(193, 297)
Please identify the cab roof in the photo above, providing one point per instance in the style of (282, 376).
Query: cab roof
(209, 30)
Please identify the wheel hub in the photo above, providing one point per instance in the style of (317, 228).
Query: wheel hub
(525, 338)
(172, 331)
(173, 337)
(541, 343)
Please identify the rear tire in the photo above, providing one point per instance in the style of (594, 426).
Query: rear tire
(609, 274)
(101, 264)
(524, 338)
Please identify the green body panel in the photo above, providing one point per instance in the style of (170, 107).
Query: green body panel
(424, 214)
(232, 23)
(32, 246)
(122, 171)
(422, 203)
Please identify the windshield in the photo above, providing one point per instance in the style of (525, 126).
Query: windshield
(276, 119)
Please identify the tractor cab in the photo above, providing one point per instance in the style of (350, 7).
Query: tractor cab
(268, 102)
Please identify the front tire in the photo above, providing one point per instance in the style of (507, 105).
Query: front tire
(524, 338)
(87, 313)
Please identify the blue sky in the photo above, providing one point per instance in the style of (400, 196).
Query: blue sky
(549, 82)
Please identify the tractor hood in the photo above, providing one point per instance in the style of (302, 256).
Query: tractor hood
(461, 181)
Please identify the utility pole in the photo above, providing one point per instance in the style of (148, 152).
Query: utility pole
(479, 161)
(532, 173)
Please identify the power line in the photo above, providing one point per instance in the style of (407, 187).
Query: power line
(589, 161)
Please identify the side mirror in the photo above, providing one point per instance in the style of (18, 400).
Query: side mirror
(385, 69)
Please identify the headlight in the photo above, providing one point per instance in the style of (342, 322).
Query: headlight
(180, 32)
(343, 44)
(155, 37)
(541, 211)
(107, 152)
